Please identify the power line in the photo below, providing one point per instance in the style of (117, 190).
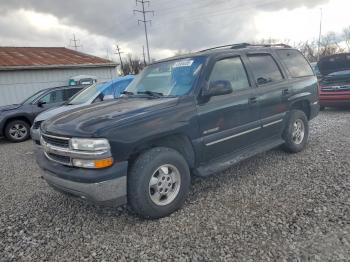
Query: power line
(120, 57)
(144, 21)
(75, 41)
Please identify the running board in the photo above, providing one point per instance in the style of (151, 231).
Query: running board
(226, 161)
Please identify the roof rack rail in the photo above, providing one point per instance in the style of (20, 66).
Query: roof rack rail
(216, 47)
(271, 45)
(245, 45)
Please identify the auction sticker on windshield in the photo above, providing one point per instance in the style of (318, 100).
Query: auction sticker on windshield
(183, 63)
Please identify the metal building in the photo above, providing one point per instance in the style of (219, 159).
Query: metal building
(25, 70)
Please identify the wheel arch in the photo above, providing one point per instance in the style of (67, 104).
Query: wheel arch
(179, 142)
(13, 118)
(303, 105)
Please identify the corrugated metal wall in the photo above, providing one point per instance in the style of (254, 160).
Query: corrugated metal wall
(15, 86)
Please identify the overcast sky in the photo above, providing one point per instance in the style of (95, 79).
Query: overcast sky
(176, 24)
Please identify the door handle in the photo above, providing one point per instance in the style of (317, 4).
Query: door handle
(253, 100)
(285, 92)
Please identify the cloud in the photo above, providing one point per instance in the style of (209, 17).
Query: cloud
(180, 24)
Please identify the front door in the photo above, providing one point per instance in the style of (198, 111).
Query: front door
(229, 122)
(49, 100)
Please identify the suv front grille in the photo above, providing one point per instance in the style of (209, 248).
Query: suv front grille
(65, 160)
(56, 141)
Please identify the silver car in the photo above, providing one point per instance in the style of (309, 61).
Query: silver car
(94, 93)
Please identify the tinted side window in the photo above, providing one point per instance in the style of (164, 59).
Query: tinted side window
(53, 97)
(232, 70)
(295, 63)
(265, 69)
(68, 93)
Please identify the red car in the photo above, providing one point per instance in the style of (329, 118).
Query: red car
(334, 84)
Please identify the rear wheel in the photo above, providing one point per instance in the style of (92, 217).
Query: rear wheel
(17, 131)
(297, 132)
(158, 183)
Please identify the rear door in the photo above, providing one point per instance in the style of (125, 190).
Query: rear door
(272, 92)
(229, 122)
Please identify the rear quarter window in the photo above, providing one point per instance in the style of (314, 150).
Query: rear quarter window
(265, 69)
(295, 62)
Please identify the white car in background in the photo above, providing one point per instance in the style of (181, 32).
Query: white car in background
(97, 92)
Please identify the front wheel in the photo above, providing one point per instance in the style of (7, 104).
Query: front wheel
(297, 132)
(17, 131)
(158, 182)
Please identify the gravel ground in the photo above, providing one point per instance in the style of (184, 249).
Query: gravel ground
(274, 206)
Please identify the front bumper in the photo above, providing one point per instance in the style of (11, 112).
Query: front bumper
(2, 125)
(35, 135)
(106, 186)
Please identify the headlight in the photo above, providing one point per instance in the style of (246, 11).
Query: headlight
(99, 144)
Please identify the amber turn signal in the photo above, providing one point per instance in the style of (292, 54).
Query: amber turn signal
(101, 163)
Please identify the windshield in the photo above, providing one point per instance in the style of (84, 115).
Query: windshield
(33, 97)
(86, 94)
(171, 78)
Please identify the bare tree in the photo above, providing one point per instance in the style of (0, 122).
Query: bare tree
(346, 36)
(132, 65)
(308, 49)
(330, 45)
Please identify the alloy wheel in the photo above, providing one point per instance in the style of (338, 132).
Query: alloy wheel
(164, 185)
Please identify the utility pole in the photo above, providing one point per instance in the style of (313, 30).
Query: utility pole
(144, 55)
(319, 37)
(120, 57)
(144, 12)
(75, 41)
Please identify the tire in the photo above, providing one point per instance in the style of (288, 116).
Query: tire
(146, 180)
(17, 131)
(296, 141)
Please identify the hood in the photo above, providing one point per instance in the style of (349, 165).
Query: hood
(334, 63)
(89, 121)
(9, 107)
(55, 111)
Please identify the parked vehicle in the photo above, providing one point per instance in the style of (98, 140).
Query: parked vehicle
(82, 80)
(15, 120)
(94, 93)
(335, 80)
(198, 113)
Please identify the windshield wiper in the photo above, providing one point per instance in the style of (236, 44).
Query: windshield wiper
(150, 93)
(126, 93)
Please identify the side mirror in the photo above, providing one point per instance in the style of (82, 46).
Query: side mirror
(262, 81)
(218, 88)
(41, 103)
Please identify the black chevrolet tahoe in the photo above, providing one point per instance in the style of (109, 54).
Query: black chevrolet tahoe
(195, 114)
